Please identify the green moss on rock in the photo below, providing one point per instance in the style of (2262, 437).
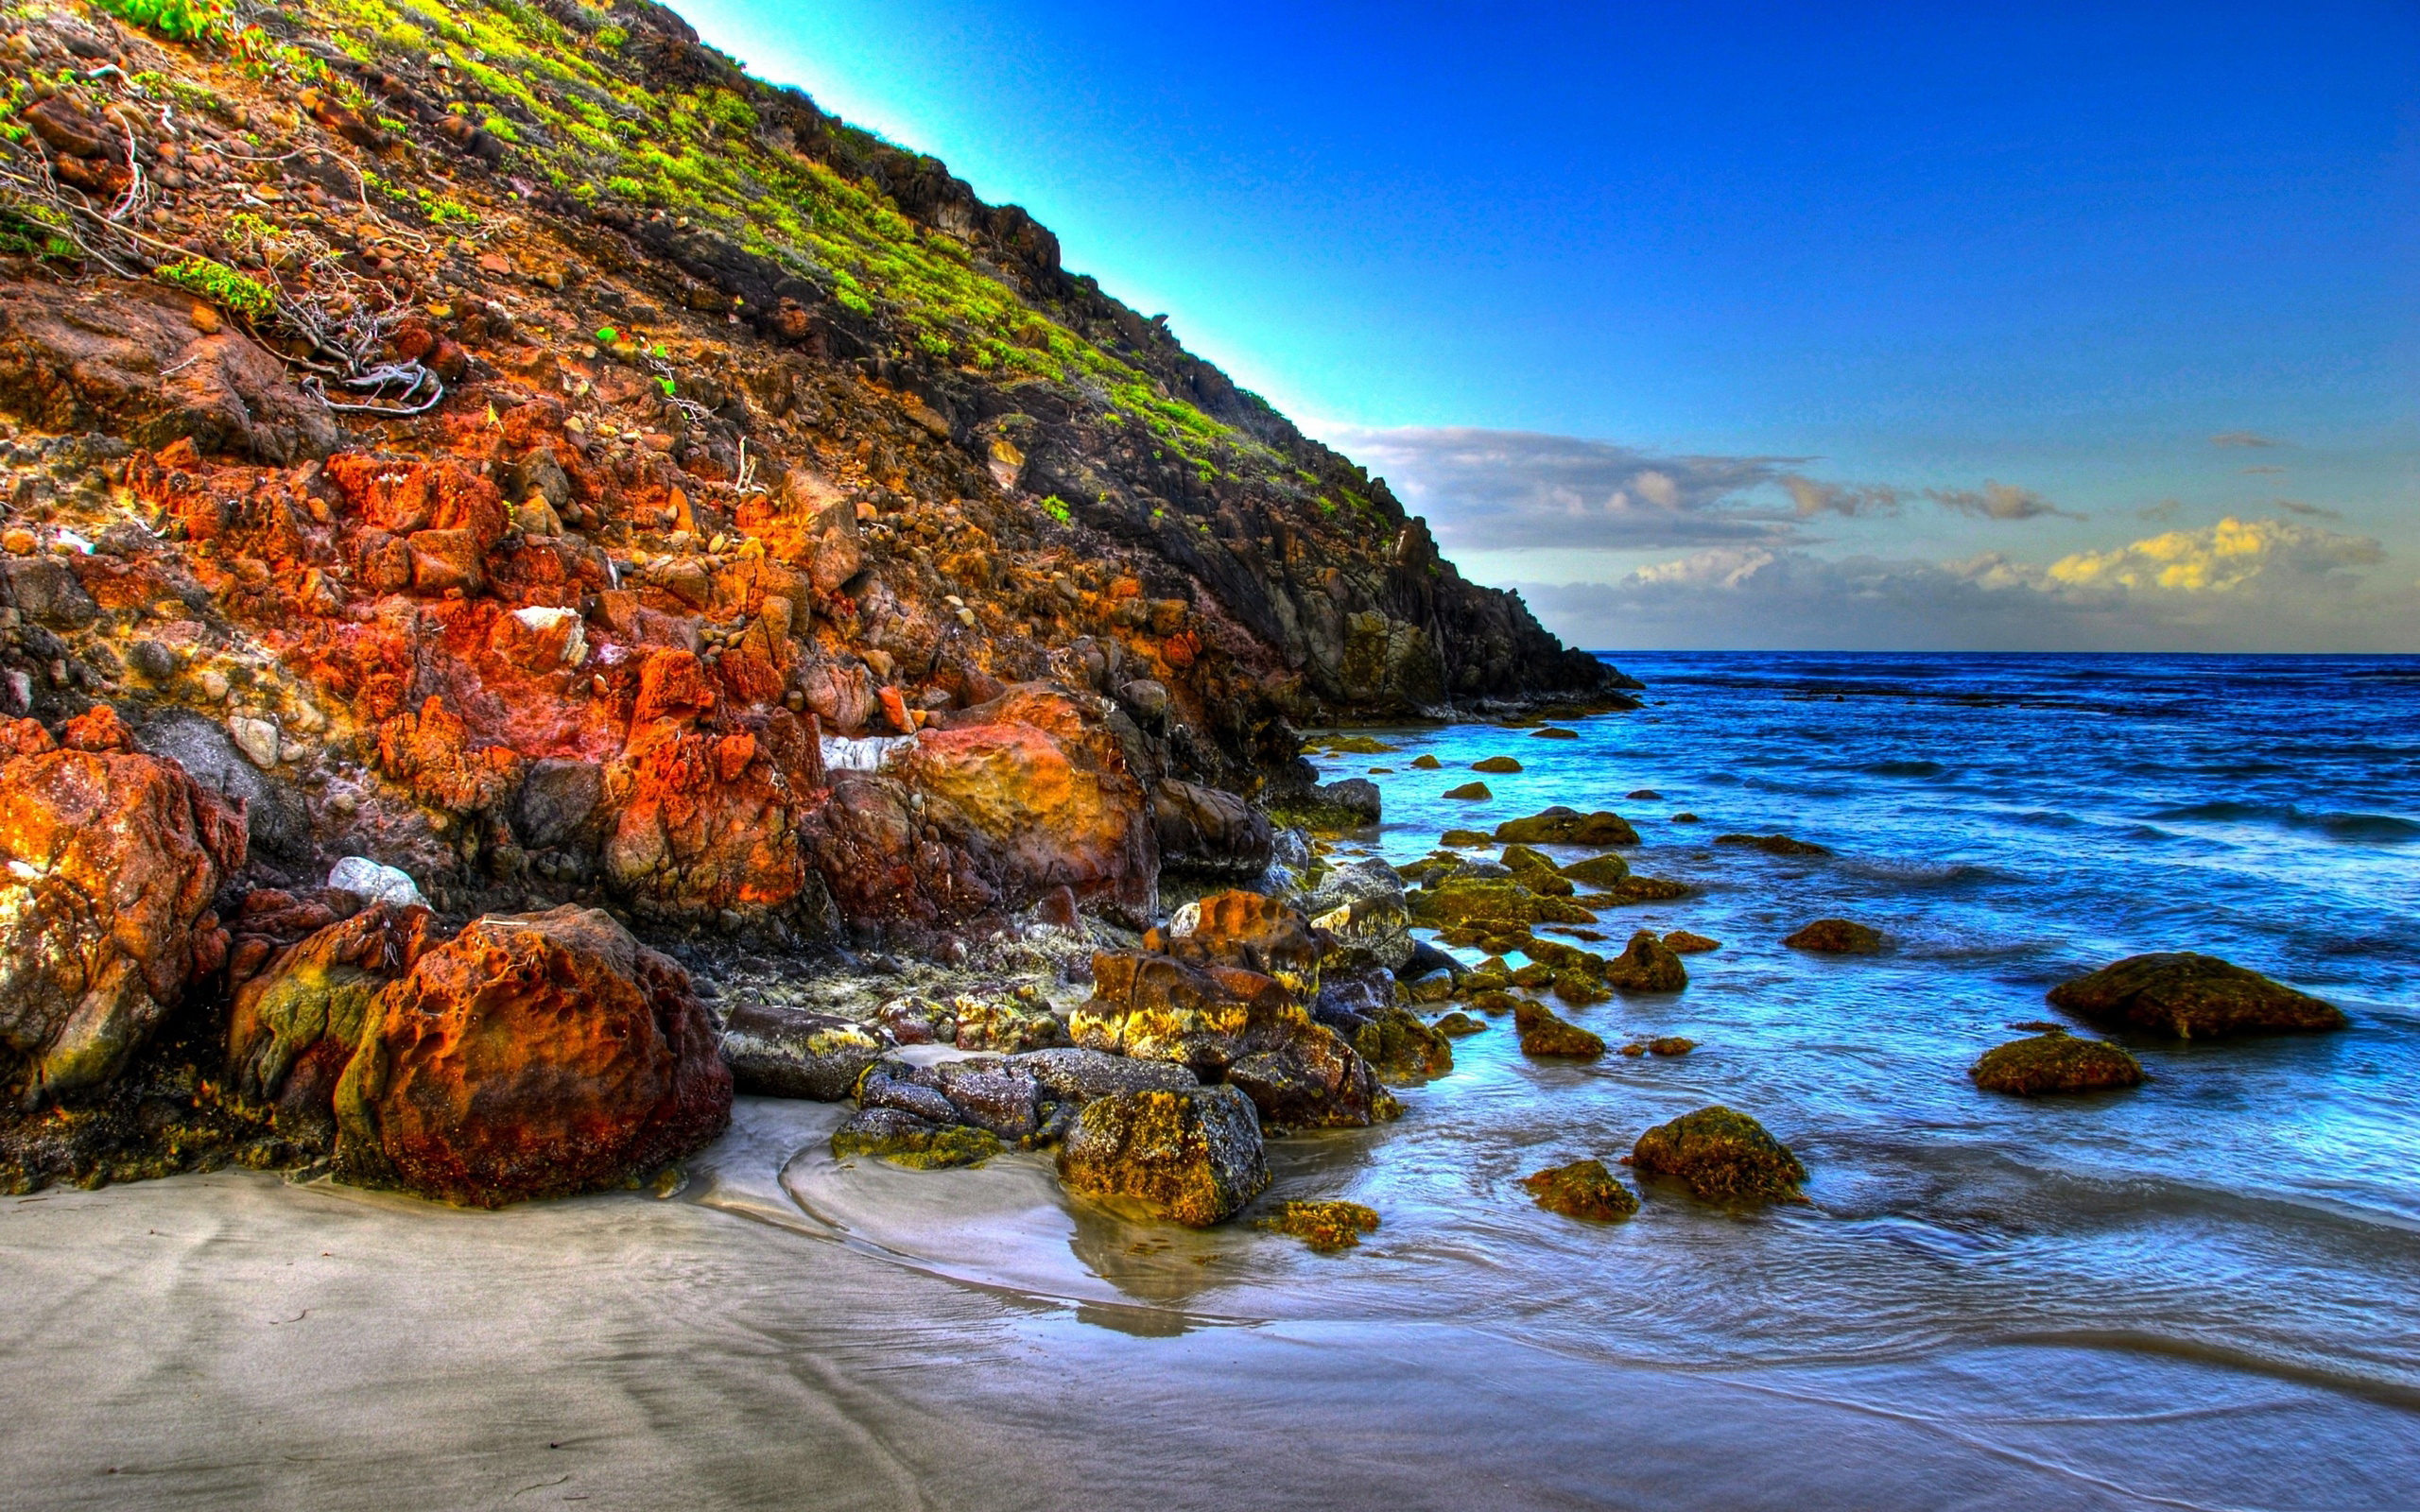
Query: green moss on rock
(1326, 1227)
(2193, 997)
(1721, 1155)
(2055, 1063)
(1583, 1188)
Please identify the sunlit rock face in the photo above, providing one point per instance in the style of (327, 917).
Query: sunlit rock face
(109, 862)
(532, 1055)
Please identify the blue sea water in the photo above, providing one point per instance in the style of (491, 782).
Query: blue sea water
(2008, 821)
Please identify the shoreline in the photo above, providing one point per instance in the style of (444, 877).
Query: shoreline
(690, 1353)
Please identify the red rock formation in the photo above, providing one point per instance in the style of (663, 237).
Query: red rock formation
(292, 1028)
(108, 866)
(534, 1055)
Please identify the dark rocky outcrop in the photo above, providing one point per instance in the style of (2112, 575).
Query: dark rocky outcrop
(2193, 997)
(775, 1051)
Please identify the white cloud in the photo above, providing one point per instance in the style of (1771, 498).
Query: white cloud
(2237, 585)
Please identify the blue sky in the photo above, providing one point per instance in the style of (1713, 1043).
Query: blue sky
(1716, 325)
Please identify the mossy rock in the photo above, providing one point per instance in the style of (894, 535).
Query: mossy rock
(1193, 1156)
(1401, 1048)
(1720, 1154)
(1647, 965)
(1495, 1001)
(1683, 942)
(1457, 1023)
(1543, 1034)
(1535, 974)
(1774, 845)
(1427, 762)
(903, 1139)
(1636, 889)
(1565, 826)
(1470, 793)
(1836, 936)
(1326, 1227)
(1607, 870)
(1465, 837)
(2193, 997)
(1580, 989)
(1497, 766)
(1492, 899)
(1583, 1188)
(1670, 1045)
(2055, 1063)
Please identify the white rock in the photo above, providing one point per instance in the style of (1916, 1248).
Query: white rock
(563, 621)
(255, 738)
(373, 883)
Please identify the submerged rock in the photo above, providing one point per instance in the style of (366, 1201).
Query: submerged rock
(1682, 942)
(1465, 837)
(1836, 936)
(2055, 1063)
(1426, 763)
(1326, 1227)
(776, 1051)
(1647, 965)
(2193, 997)
(1583, 1188)
(535, 1054)
(1566, 826)
(109, 863)
(1497, 766)
(904, 1138)
(1194, 1157)
(1469, 793)
(1456, 1024)
(1720, 1154)
(1461, 900)
(1543, 1034)
(1774, 845)
(1607, 870)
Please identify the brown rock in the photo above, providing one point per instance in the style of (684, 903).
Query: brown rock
(1543, 1034)
(1194, 1157)
(1682, 942)
(1836, 936)
(1583, 1188)
(1647, 965)
(292, 1030)
(2193, 997)
(536, 1055)
(1564, 826)
(111, 861)
(1207, 831)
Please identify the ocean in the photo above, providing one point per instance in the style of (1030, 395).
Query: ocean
(2198, 1292)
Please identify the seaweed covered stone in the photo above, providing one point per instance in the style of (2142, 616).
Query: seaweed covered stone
(1326, 1227)
(1567, 826)
(1193, 1157)
(2192, 996)
(1647, 965)
(919, 1143)
(1400, 1047)
(2055, 1063)
(1543, 1034)
(1721, 1155)
(1836, 936)
(776, 1051)
(1606, 870)
(1583, 1188)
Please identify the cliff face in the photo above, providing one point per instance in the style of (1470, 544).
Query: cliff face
(506, 441)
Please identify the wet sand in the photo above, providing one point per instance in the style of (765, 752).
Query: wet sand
(233, 1341)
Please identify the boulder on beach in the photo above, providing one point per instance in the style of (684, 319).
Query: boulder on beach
(1836, 936)
(2193, 997)
(1583, 1188)
(1470, 792)
(1543, 1034)
(1326, 1227)
(777, 1051)
(292, 1028)
(1721, 1155)
(1647, 965)
(534, 1055)
(918, 1143)
(1497, 766)
(1566, 826)
(1670, 1045)
(1250, 931)
(1193, 1157)
(1313, 1078)
(2055, 1063)
(111, 862)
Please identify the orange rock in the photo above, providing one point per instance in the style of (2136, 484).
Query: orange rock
(401, 496)
(105, 905)
(430, 752)
(1037, 812)
(706, 824)
(98, 728)
(672, 686)
(895, 708)
(292, 1028)
(535, 1054)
